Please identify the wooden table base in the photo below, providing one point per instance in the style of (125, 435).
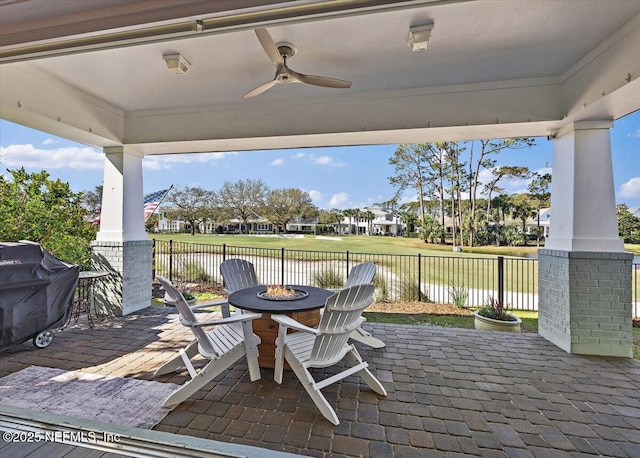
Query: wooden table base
(267, 329)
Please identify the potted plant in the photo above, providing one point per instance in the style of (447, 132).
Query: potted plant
(190, 298)
(494, 316)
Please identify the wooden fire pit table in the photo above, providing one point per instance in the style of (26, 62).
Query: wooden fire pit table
(305, 309)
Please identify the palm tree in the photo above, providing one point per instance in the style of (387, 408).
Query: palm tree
(350, 213)
(368, 216)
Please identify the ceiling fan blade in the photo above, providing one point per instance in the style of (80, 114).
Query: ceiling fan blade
(324, 81)
(260, 89)
(269, 46)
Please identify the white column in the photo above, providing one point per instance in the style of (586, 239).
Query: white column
(122, 247)
(584, 274)
(583, 208)
(122, 217)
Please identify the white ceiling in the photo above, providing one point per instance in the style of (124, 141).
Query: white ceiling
(492, 67)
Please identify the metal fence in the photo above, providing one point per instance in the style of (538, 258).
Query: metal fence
(442, 279)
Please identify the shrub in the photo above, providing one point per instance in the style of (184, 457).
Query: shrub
(328, 279)
(410, 290)
(381, 293)
(193, 271)
(458, 295)
(496, 310)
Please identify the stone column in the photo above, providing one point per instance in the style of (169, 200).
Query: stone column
(584, 275)
(122, 246)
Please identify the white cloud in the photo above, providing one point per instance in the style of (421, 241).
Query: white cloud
(49, 141)
(327, 160)
(315, 195)
(298, 156)
(339, 200)
(73, 157)
(631, 189)
(635, 134)
(278, 161)
(165, 162)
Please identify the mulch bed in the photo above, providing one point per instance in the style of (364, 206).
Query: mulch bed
(414, 308)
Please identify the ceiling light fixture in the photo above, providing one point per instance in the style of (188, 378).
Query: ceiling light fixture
(177, 63)
(419, 36)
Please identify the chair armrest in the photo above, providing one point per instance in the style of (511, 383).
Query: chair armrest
(209, 304)
(231, 319)
(289, 322)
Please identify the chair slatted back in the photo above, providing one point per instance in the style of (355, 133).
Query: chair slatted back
(361, 274)
(187, 317)
(342, 314)
(238, 274)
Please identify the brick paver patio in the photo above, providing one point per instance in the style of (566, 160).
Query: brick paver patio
(451, 392)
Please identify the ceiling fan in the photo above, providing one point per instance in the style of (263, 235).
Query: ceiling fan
(279, 53)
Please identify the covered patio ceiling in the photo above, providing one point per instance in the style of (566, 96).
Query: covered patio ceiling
(93, 71)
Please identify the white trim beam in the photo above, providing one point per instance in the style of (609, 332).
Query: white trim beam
(35, 99)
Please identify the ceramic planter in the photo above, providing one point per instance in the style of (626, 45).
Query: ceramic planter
(489, 324)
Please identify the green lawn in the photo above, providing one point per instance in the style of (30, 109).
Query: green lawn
(437, 265)
(352, 243)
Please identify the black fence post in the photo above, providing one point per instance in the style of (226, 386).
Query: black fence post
(224, 251)
(501, 279)
(153, 259)
(419, 277)
(347, 276)
(282, 266)
(171, 260)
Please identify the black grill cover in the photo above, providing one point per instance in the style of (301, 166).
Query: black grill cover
(36, 291)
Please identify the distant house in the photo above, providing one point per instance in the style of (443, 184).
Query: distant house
(307, 225)
(383, 223)
(255, 225)
(545, 218)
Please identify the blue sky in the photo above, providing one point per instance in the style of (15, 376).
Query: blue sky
(339, 177)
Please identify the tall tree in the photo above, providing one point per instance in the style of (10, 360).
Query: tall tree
(628, 225)
(522, 208)
(351, 213)
(242, 199)
(497, 175)
(34, 207)
(92, 201)
(438, 162)
(283, 205)
(368, 216)
(191, 204)
(409, 216)
(411, 167)
(483, 161)
(502, 204)
(456, 177)
(540, 193)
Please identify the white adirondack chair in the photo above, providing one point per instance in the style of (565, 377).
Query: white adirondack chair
(361, 274)
(237, 274)
(228, 340)
(326, 345)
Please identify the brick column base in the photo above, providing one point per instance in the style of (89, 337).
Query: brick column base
(585, 301)
(128, 288)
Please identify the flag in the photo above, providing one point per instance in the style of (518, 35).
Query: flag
(151, 202)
